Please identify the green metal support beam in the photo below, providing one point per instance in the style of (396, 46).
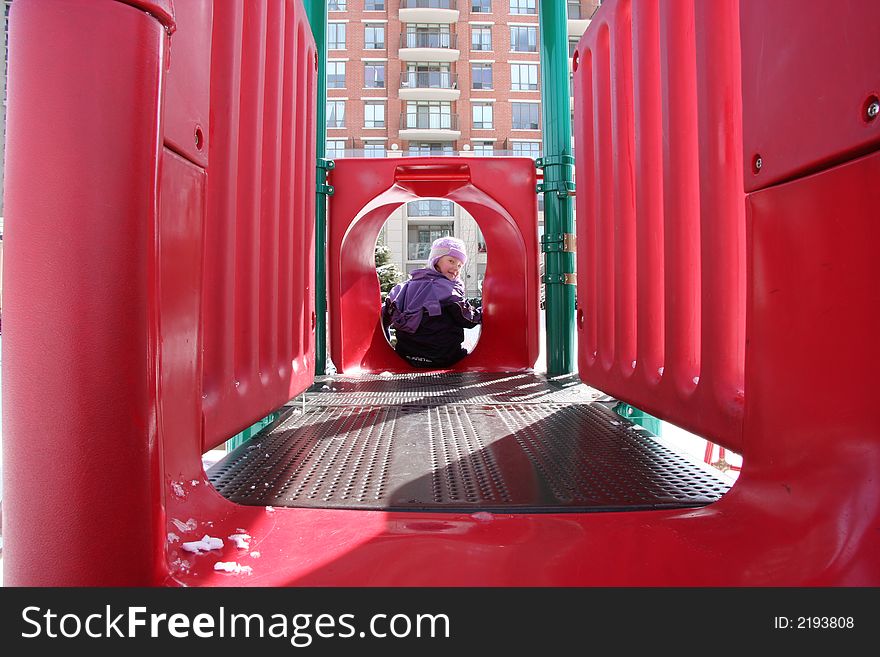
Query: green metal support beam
(251, 431)
(317, 13)
(558, 188)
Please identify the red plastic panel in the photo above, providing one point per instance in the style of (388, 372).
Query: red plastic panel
(188, 81)
(259, 236)
(368, 191)
(814, 309)
(660, 211)
(179, 270)
(113, 336)
(812, 73)
(79, 410)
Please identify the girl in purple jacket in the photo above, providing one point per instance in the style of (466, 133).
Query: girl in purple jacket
(429, 312)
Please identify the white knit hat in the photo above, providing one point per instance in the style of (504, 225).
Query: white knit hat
(447, 246)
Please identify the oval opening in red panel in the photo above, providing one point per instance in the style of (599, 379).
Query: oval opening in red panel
(404, 246)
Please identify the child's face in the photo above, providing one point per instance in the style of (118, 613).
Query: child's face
(449, 266)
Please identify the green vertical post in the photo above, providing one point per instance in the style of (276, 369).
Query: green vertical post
(317, 13)
(558, 188)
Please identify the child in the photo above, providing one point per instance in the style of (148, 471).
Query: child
(429, 312)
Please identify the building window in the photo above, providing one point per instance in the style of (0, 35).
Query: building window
(524, 38)
(422, 236)
(481, 6)
(374, 36)
(430, 208)
(428, 4)
(481, 38)
(482, 113)
(484, 148)
(574, 10)
(374, 149)
(522, 7)
(481, 241)
(374, 5)
(524, 77)
(335, 75)
(336, 5)
(335, 113)
(525, 116)
(530, 149)
(481, 76)
(374, 75)
(429, 115)
(426, 35)
(336, 36)
(429, 148)
(427, 75)
(374, 114)
(335, 148)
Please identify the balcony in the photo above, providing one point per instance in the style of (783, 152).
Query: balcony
(429, 127)
(431, 210)
(428, 11)
(429, 85)
(428, 47)
(577, 20)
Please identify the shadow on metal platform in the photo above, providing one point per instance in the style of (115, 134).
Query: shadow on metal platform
(460, 442)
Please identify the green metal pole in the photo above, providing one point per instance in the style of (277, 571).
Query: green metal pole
(558, 188)
(317, 13)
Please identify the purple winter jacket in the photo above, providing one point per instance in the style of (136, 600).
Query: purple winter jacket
(429, 313)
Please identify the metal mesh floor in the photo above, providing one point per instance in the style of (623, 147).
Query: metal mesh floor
(460, 442)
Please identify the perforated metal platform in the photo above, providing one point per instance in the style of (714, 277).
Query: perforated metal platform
(464, 441)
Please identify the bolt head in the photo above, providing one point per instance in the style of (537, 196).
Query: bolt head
(873, 109)
(759, 163)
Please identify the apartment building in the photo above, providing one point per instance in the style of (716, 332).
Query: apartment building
(437, 77)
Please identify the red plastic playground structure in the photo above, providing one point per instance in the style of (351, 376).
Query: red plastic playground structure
(160, 297)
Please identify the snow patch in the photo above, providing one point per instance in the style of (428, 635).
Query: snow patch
(242, 541)
(233, 567)
(207, 543)
(188, 526)
(180, 566)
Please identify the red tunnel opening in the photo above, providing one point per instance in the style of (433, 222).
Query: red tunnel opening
(500, 195)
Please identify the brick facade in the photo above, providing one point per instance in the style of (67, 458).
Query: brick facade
(501, 95)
